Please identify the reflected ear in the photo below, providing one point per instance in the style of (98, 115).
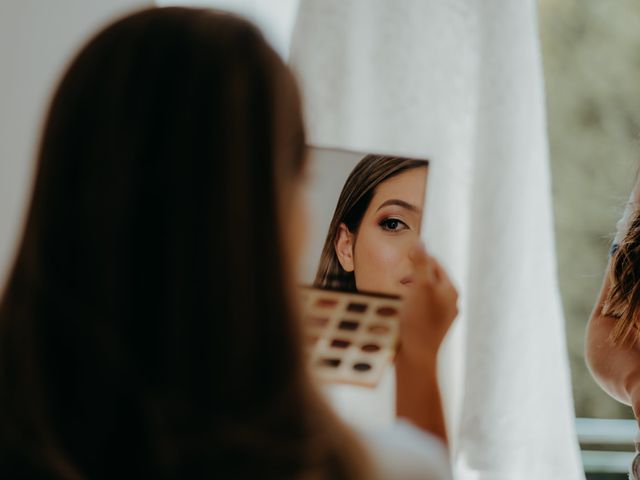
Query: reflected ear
(343, 246)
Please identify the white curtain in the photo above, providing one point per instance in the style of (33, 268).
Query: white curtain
(460, 82)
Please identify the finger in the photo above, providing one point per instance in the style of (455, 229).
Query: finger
(442, 276)
(418, 254)
(422, 262)
(438, 272)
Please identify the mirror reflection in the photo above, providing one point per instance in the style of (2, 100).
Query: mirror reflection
(369, 225)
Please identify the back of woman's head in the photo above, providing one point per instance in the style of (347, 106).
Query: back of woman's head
(146, 321)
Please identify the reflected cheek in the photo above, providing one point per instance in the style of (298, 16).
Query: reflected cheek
(377, 261)
(382, 253)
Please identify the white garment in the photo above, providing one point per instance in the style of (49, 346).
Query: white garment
(460, 82)
(401, 451)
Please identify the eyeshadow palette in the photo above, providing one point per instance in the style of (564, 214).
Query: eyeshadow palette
(350, 337)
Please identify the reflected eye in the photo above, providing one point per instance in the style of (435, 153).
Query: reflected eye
(393, 225)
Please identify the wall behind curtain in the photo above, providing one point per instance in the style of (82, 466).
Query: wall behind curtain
(591, 52)
(274, 17)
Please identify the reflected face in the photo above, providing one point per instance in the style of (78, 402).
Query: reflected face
(378, 253)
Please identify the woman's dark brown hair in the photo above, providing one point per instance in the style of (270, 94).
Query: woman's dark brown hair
(147, 330)
(353, 202)
(623, 299)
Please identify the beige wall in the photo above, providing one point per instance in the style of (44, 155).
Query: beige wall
(591, 55)
(37, 38)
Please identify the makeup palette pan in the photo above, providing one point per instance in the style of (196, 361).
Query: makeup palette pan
(350, 337)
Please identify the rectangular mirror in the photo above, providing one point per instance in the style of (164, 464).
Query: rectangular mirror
(365, 215)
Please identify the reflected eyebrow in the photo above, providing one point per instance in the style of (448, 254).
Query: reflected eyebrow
(400, 203)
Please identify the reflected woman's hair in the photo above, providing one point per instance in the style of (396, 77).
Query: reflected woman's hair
(147, 329)
(353, 202)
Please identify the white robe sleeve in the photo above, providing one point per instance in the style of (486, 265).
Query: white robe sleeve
(404, 452)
